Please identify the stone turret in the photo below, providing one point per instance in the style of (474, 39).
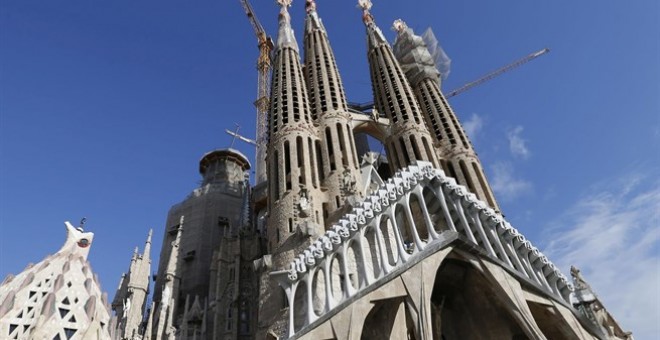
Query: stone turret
(58, 298)
(408, 138)
(337, 157)
(457, 156)
(131, 296)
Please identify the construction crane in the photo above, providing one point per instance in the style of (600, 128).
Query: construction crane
(241, 138)
(498, 72)
(369, 105)
(265, 45)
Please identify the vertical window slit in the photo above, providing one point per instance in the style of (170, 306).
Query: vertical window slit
(466, 174)
(404, 152)
(301, 157)
(287, 165)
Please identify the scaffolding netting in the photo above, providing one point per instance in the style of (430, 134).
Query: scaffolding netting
(421, 57)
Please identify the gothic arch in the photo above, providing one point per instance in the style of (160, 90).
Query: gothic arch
(464, 305)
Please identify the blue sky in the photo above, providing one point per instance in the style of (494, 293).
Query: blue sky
(107, 106)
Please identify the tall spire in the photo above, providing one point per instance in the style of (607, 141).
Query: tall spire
(130, 299)
(295, 196)
(293, 172)
(146, 255)
(409, 138)
(458, 158)
(325, 88)
(375, 36)
(338, 161)
(170, 290)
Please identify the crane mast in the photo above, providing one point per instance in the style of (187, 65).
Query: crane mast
(265, 45)
(498, 72)
(369, 105)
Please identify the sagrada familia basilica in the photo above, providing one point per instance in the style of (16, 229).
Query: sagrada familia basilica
(337, 241)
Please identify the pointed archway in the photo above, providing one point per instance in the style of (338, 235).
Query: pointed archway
(465, 306)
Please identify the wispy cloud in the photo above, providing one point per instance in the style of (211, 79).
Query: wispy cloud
(613, 236)
(473, 126)
(517, 144)
(507, 186)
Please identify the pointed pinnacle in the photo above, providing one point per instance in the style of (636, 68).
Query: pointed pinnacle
(285, 3)
(310, 6)
(366, 14)
(399, 25)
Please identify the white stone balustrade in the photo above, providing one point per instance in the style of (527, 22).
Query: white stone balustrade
(383, 233)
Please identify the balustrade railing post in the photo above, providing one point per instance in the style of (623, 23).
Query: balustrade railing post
(427, 217)
(440, 194)
(406, 207)
(482, 234)
(403, 255)
(362, 267)
(327, 272)
(291, 293)
(461, 217)
(382, 249)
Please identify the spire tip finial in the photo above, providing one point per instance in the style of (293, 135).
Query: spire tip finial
(285, 3)
(310, 6)
(399, 25)
(366, 6)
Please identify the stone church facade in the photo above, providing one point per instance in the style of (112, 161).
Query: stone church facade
(339, 242)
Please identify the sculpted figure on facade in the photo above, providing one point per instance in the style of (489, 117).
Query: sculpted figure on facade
(348, 183)
(304, 203)
(578, 281)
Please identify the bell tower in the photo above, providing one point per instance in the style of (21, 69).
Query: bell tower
(295, 189)
(408, 138)
(457, 156)
(338, 165)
